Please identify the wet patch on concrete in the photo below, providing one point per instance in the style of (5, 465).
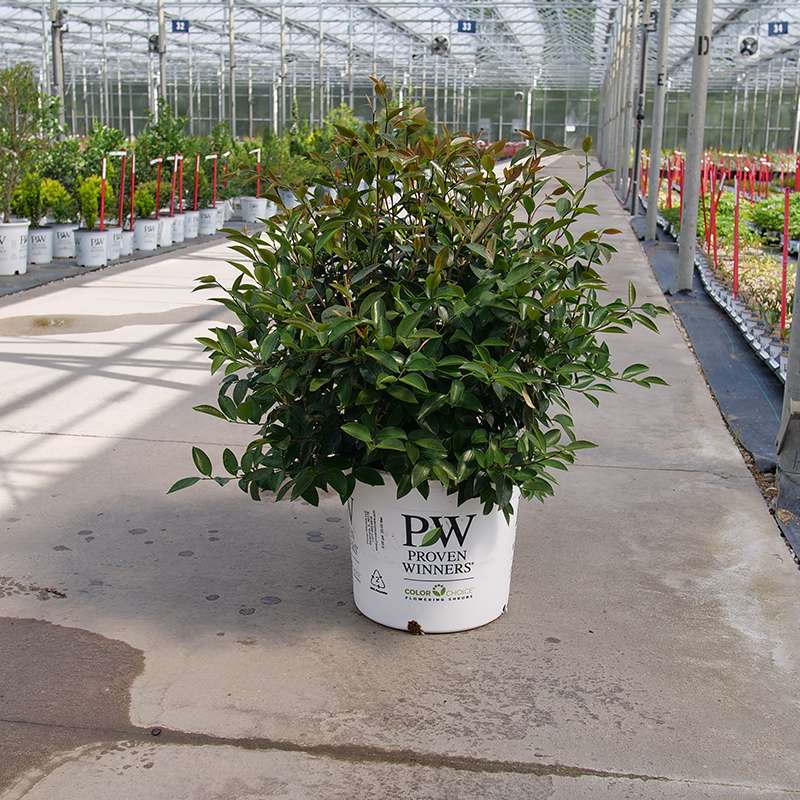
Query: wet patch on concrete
(10, 587)
(61, 689)
(34, 325)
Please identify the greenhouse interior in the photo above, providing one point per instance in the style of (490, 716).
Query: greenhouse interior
(399, 399)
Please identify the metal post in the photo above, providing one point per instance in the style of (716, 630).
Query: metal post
(796, 139)
(130, 110)
(57, 35)
(777, 126)
(637, 139)
(628, 119)
(221, 85)
(767, 105)
(657, 134)
(528, 108)
(436, 94)
(45, 67)
(105, 111)
(694, 144)
(85, 96)
(232, 66)
(274, 104)
(250, 100)
(444, 88)
(190, 79)
(282, 71)
(311, 95)
(321, 65)
(73, 106)
(350, 56)
(119, 96)
(162, 50)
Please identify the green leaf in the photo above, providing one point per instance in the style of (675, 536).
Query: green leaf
(368, 475)
(417, 381)
(358, 431)
(201, 461)
(230, 462)
(212, 411)
(431, 537)
(183, 483)
(401, 393)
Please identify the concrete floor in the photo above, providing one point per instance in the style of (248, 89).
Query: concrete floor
(203, 646)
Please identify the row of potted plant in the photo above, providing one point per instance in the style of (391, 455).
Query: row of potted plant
(101, 197)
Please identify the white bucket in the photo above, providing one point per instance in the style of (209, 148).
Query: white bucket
(126, 243)
(456, 582)
(227, 209)
(289, 198)
(164, 231)
(220, 209)
(114, 242)
(64, 240)
(208, 221)
(91, 248)
(178, 228)
(191, 224)
(14, 247)
(145, 236)
(253, 209)
(40, 245)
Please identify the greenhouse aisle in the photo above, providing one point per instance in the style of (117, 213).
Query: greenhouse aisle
(202, 646)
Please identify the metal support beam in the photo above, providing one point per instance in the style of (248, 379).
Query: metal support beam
(640, 96)
(657, 133)
(232, 66)
(162, 50)
(694, 146)
(57, 35)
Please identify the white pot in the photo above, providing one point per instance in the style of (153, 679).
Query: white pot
(178, 228)
(227, 210)
(289, 198)
(254, 209)
(40, 245)
(207, 224)
(114, 242)
(91, 248)
(64, 240)
(14, 247)
(145, 235)
(164, 231)
(126, 243)
(458, 582)
(191, 224)
(220, 209)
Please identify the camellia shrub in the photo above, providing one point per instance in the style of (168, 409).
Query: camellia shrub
(432, 323)
(28, 201)
(145, 199)
(58, 201)
(89, 199)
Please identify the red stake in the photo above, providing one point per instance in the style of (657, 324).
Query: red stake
(681, 174)
(158, 189)
(214, 190)
(180, 187)
(133, 188)
(785, 258)
(196, 178)
(103, 196)
(797, 175)
(122, 191)
(736, 241)
(669, 182)
(172, 185)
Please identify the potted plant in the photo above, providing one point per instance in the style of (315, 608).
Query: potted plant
(61, 206)
(145, 232)
(414, 349)
(92, 241)
(26, 120)
(29, 204)
(207, 216)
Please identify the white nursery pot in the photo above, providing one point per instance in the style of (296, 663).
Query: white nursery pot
(145, 236)
(289, 198)
(207, 224)
(178, 228)
(227, 209)
(164, 231)
(64, 240)
(114, 242)
(253, 209)
(191, 224)
(126, 243)
(220, 209)
(91, 248)
(40, 245)
(461, 581)
(14, 247)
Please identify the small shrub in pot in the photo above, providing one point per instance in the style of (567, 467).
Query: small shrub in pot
(422, 339)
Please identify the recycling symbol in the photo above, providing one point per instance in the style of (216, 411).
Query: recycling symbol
(376, 582)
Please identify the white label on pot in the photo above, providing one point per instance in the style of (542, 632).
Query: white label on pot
(445, 567)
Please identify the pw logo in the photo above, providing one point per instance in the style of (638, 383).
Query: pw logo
(425, 531)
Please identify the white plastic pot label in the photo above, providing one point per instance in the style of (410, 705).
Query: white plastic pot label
(145, 234)
(208, 221)
(40, 245)
(64, 241)
(191, 223)
(429, 564)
